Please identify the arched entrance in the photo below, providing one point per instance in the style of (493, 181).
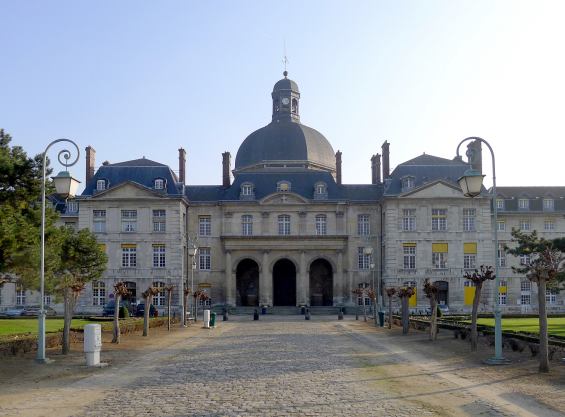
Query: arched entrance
(247, 283)
(321, 283)
(284, 283)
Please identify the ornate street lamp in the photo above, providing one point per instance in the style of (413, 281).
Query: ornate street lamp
(65, 186)
(471, 184)
(192, 249)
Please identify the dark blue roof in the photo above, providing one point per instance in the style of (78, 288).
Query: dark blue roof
(141, 171)
(425, 169)
(302, 183)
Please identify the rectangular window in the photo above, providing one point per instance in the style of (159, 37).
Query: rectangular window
(363, 226)
(409, 220)
(129, 255)
(129, 220)
(469, 255)
(502, 291)
(247, 225)
(499, 204)
(363, 299)
(20, 296)
(469, 219)
(501, 254)
(72, 206)
(551, 296)
(204, 225)
(321, 224)
(523, 204)
(47, 299)
(100, 185)
(525, 292)
(525, 260)
(525, 286)
(548, 225)
(439, 255)
(439, 219)
(159, 220)
(524, 224)
(99, 220)
(363, 259)
(204, 259)
(501, 225)
(98, 293)
(159, 251)
(409, 254)
(284, 224)
(548, 204)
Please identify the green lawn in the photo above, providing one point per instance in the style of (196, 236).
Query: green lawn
(556, 325)
(24, 326)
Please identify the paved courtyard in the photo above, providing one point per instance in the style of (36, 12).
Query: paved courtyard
(283, 367)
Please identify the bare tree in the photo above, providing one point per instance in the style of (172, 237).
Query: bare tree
(169, 290)
(431, 290)
(478, 278)
(120, 290)
(148, 295)
(372, 294)
(404, 294)
(187, 291)
(390, 292)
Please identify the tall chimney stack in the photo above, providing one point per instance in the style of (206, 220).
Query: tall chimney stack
(182, 165)
(376, 169)
(338, 167)
(90, 162)
(226, 169)
(386, 160)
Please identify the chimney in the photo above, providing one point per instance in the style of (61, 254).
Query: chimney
(338, 167)
(182, 165)
(226, 169)
(90, 161)
(475, 155)
(386, 161)
(376, 169)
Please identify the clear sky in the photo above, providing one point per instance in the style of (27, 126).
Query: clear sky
(143, 78)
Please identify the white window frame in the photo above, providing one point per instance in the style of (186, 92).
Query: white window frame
(129, 257)
(100, 185)
(525, 225)
(99, 221)
(409, 220)
(409, 257)
(548, 225)
(321, 221)
(205, 225)
(246, 189)
(548, 204)
(159, 220)
(159, 255)
(501, 255)
(500, 204)
(469, 217)
(551, 296)
(364, 299)
(204, 259)
(363, 224)
(439, 219)
(364, 260)
(523, 204)
(502, 298)
(20, 296)
(501, 225)
(469, 260)
(439, 260)
(320, 188)
(129, 221)
(160, 300)
(283, 222)
(72, 206)
(159, 184)
(525, 292)
(247, 225)
(98, 293)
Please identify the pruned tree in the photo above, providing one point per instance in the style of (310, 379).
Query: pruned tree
(120, 291)
(390, 292)
(404, 294)
(360, 293)
(372, 294)
(198, 294)
(486, 273)
(545, 266)
(187, 292)
(169, 290)
(148, 295)
(431, 291)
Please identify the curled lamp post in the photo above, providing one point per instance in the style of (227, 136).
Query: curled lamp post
(66, 186)
(471, 184)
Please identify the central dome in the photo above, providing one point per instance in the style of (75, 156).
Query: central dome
(285, 142)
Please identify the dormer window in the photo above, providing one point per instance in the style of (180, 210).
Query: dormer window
(159, 184)
(548, 204)
(523, 204)
(100, 185)
(247, 191)
(320, 191)
(283, 186)
(407, 183)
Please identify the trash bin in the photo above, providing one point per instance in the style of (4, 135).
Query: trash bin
(213, 320)
(381, 318)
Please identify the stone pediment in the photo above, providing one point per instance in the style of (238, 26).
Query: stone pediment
(435, 189)
(128, 189)
(283, 198)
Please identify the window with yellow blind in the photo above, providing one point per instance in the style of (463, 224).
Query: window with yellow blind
(470, 255)
(439, 255)
(469, 292)
(129, 255)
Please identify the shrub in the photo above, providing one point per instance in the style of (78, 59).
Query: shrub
(124, 312)
(439, 313)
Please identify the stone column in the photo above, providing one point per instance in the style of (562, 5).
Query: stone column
(303, 284)
(339, 286)
(230, 281)
(265, 282)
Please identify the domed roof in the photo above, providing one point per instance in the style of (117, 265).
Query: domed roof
(285, 141)
(285, 84)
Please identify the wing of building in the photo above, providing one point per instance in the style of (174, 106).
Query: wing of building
(283, 230)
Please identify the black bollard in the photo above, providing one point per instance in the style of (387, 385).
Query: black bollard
(356, 314)
(255, 315)
(307, 315)
(226, 313)
(340, 314)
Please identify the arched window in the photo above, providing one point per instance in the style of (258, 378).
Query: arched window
(321, 224)
(160, 299)
(159, 183)
(294, 106)
(98, 293)
(100, 185)
(247, 191)
(407, 183)
(284, 224)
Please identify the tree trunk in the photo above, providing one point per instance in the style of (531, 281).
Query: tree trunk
(146, 315)
(405, 319)
(116, 330)
(364, 310)
(475, 312)
(390, 312)
(169, 296)
(184, 308)
(68, 316)
(375, 311)
(543, 342)
(433, 318)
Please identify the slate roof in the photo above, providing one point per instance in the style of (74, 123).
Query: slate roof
(285, 84)
(425, 169)
(511, 195)
(141, 171)
(302, 183)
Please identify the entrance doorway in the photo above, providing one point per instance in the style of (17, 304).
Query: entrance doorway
(247, 283)
(321, 283)
(284, 283)
(442, 292)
